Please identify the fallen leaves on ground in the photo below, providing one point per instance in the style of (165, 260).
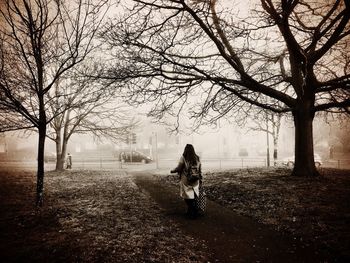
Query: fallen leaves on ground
(92, 216)
(88, 216)
(315, 210)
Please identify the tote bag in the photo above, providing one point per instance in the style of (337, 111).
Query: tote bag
(201, 200)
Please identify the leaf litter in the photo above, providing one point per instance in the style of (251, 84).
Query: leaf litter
(314, 210)
(88, 216)
(91, 216)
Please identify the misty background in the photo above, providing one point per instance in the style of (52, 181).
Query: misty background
(227, 145)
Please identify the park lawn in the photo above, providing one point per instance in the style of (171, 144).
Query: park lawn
(88, 216)
(313, 210)
(91, 216)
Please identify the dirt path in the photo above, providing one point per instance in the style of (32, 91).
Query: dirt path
(232, 238)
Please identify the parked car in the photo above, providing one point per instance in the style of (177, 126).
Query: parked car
(134, 156)
(289, 161)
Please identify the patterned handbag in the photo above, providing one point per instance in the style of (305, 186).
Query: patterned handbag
(201, 200)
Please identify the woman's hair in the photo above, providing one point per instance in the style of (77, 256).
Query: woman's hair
(190, 155)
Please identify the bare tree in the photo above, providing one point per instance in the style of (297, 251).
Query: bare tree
(291, 53)
(81, 106)
(270, 123)
(41, 41)
(333, 137)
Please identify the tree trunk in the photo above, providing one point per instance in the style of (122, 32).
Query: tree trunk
(65, 138)
(304, 164)
(61, 142)
(64, 151)
(40, 171)
(275, 150)
(60, 162)
(58, 141)
(62, 155)
(275, 134)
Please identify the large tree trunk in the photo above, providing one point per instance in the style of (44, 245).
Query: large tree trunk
(304, 164)
(40, 171)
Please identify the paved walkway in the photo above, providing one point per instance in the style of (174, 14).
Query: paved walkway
(231, 237)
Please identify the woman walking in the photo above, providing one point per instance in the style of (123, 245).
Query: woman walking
(189, 169)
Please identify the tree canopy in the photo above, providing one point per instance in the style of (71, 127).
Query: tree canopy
(41, 41)
(284, 56)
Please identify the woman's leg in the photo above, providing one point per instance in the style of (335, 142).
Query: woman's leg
(194, 212)
(191, 208)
